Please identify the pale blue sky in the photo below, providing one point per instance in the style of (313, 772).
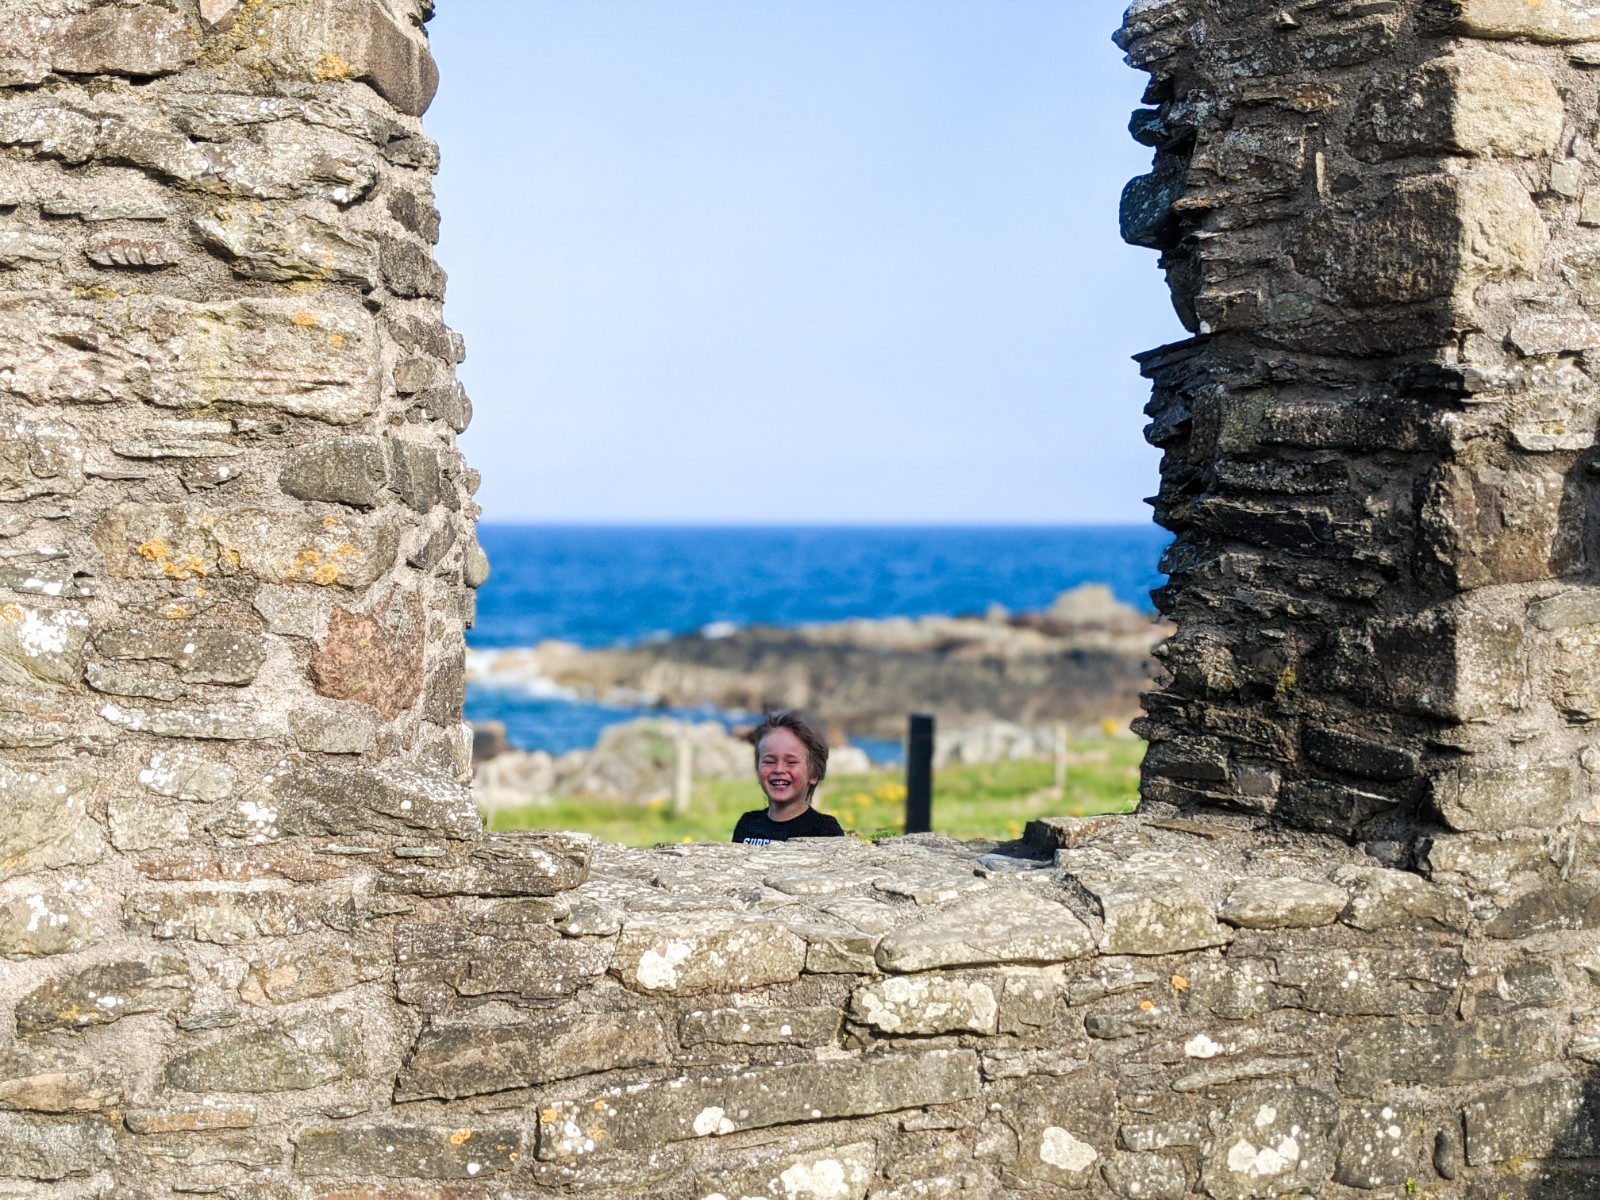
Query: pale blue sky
(796, 261)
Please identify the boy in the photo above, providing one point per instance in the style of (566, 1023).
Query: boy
(791, 759)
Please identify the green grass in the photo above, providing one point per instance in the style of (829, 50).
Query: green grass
(991, 801)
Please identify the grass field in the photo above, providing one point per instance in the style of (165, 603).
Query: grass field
(991, 801)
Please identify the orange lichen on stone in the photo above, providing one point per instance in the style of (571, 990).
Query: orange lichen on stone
(153, 551)
(331, 66)
(305, 319)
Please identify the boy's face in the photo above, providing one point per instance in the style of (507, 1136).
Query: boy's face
(784, 767)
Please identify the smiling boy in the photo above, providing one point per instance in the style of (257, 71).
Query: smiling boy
(791, 760)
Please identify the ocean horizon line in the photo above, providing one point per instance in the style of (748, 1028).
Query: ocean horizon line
(805, 526)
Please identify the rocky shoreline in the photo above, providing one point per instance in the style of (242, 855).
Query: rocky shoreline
(1081, 663)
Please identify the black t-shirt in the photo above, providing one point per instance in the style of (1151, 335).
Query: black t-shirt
(758, 829)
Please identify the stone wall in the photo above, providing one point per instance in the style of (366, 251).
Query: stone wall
(255, 944)
(1382, 222)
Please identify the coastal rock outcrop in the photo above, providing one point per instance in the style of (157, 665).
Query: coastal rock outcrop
(1083, 663)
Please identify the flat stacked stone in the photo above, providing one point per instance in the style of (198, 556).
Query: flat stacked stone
(1379, 223)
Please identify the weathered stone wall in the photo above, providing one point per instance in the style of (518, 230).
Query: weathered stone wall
(1380, 219)
(236, 555)
(255, 944)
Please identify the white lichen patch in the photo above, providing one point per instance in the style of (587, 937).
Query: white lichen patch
(1060, 1149)
(658, 969)
(711, 1120)
(1201, 1046)
(824, 1179)
(1265, 1161)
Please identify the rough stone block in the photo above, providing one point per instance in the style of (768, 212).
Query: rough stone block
(215, 723)
(1444, 1055)
(297, 547)
(1129, 1022)
(409, 270)
(39, 458)
(187, 1120)
(1059, 1125)
(1146, 1176)
(58, 1092)
(655, 1113)
(1434, 237)
(1283, 904)
(1381, 898)
(1152, 917)
(1470, 101)
(309, 359)
(520, 863)
(225, 918)
(139, 42)
(105, 993)
(441, 967)
(185, 776)
(835, 1173)
(692, 959)
(1555, 1118)
(44, 820)
(763, 1025)
(310, 968)
(1490, 799)
(291, 611)
(462, 1151)
(452, 1061)
(922, 1004)
(1023, 927)
(138, 823)
(1382, 1146)
(1488, 524)
(371, 660)
(47, 921)
(41, 646)
(198, 655)
(1548, 21)
(837, 949)
(342, 470)
(1545, 909)
(318, 798)
(302, 1052)
(1375, 981)
(344, 730)
(1275, 1140)
(416, 474)
(184, 543)
(1356, 755)
(52, 1148)
(300, 248)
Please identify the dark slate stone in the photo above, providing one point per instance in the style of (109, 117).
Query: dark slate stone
(466, 1150)
(452, 1061)
(1358, 756)
(1445, 1055)
(343, 470)
(1381, 1146)
(108, 992)
(302, 1052)
(1274, 1140)
(1556, 1118)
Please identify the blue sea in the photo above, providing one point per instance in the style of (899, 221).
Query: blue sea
(619, 585)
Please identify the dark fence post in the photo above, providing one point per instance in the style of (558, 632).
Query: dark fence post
(919, 774)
